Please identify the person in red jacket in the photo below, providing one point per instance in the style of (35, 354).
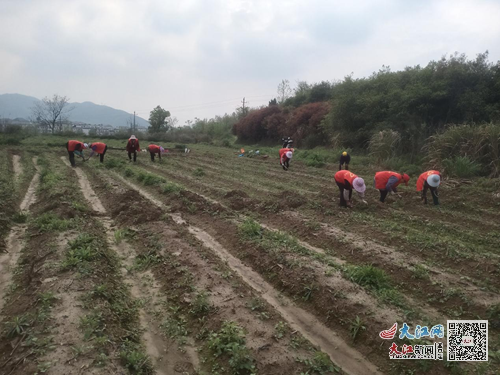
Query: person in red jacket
(285, 156)
(98, 148)
(133, 147)
(155, 149)
(75, 147)
(387, 182)
(347, 181)
(429, 180)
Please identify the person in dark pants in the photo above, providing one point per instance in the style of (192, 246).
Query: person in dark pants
(387, 182)
(347, 181)
(429, 180)
(285, 156)
(98, 148)
(155, 149)
(287, 142)
(133, 147)
(345, 158)
(75, 147)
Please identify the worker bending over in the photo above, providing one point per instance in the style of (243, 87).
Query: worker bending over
(285, 156)
(345, 159)
(429, 180)
(75, 147)
(98, 148)
(387, 182)
(347, 181)
(155, 149)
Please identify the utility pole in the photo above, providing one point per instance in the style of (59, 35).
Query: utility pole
(244, 108)
(134, 121)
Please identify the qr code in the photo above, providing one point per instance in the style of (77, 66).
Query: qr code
(467, 340)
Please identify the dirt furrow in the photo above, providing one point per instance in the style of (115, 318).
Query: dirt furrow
(389, 255)
(16, 164)
(158, 347)
(165, 361)
(318, 334)
(358, 244)
(15, 240)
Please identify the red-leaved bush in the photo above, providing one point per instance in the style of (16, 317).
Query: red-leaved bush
(272, 123)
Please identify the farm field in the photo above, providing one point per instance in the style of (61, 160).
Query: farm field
(209, 263)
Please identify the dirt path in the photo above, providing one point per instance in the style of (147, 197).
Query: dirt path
(165, 361)
(15, 240)
(16, 163)
(340, 352)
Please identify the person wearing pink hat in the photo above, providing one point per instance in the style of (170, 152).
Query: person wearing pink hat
(347, 181)
(133, 147)
(155, 149)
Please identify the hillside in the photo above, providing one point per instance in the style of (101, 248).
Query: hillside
(17, 105)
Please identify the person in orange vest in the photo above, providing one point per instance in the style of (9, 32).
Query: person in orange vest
(285, 156)
(155, 149)
(75, 147)
(347, 181)
(133, 147)
(429, 180)
(98, 148)
(386, 182)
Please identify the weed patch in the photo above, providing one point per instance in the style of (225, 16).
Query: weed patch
(230, 341)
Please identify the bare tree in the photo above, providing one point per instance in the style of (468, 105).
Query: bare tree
(284, 91)
(50, 113)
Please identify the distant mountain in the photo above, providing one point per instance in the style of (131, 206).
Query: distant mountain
(16, 105)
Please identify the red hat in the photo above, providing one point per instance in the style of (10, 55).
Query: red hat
(406, 178)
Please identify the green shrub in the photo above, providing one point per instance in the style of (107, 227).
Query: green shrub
(479, 144)
(461, 167)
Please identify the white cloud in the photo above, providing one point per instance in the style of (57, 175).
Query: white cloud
(182, 54)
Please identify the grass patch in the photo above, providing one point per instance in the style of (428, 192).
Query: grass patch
(198, 172)
(171, 188)
(230, 342)
(319, 364)
(368, 276)
(51, 222)
(250, 229)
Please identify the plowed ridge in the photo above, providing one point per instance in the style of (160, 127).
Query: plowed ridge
(340, 352)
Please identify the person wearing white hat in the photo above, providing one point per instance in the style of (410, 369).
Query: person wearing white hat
(347, 181)
(133, 148)
(429, 180)
(285, 156)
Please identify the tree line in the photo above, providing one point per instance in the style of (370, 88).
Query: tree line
(416, 102)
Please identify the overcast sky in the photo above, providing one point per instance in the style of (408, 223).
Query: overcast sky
(199, 58)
